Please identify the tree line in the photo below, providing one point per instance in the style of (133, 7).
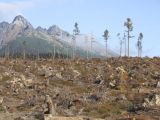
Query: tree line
(126, 38)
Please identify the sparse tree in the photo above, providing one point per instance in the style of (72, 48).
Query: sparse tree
(24, 50)
(125, 43)
(139, 44)
(7, 51)
(76, 32)
(86, 42)
(106, 36)
(129, 26)
(121, 43)
(92, 41)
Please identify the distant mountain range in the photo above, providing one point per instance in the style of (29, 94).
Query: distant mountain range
(20, 33)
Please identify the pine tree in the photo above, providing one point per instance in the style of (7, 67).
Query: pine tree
(76, 32)
(106, 36)
(129, 26)
(139, 44)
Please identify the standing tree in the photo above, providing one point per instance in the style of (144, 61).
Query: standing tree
(121, 42)
(92, 41)
(106, 36)
(7, 51)
(125, 44)
(129, 26)
(24, 50)
(86, 42)
(139, 44)
(76, 32)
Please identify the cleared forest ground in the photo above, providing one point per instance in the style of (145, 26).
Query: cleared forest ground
(112, 89)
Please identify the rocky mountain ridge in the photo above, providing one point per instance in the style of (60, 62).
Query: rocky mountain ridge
(20, 28)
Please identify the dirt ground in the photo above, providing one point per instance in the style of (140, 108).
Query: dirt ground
(111, 89)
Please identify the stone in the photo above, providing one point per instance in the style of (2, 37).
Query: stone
(59, 75)
(1, 100)
(50, 106)
(157, 100)
(158, 84)
(76, 73)
(112, 84)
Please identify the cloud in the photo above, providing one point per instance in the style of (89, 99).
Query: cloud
(8, 10)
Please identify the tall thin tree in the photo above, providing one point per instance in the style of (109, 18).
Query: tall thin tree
(106, 36)
(24, 50)
(125, 44)
(92, 41)
(129, 26)
(76, 32)
(139, 44)
(86, 42)
(121, 43)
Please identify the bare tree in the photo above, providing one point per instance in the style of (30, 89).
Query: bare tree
(106, 36)
(139, 44)
(129, 26)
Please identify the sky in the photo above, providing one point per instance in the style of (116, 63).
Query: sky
(93, 17)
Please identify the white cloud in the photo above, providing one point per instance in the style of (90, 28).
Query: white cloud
(8, 10)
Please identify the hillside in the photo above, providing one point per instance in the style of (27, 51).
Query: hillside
(112, 89)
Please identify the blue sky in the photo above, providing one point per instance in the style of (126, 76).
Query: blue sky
(93, 16)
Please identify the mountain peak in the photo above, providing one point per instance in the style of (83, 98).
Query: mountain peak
(40, 29)
(54, 30)
(21, 21)
(4, 25)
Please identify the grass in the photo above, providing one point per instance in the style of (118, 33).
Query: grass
(4, 78)
(2, 109)
(103, 110)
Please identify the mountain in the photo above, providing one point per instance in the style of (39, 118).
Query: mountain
(41, 40)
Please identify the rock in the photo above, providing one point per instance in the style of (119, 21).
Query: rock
(48, 117)
(156, 75)
(158, 84)
(76, 73)
(97, 82)
(136, 107)
(65, 103)
(157, 100)
(1, 100)
(153, 100)
(59, 75)
(41, 72)
(121, 69)
(94, 97)
(48, 73)
(69, 118)
(19, 118)
(112, 84)
(50, 107)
